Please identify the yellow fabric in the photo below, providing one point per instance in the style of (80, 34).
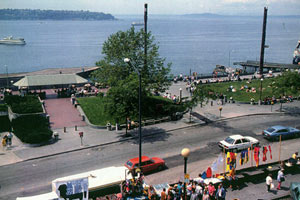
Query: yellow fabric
(227, 163)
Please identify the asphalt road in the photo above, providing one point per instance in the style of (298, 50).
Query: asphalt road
(34, 177)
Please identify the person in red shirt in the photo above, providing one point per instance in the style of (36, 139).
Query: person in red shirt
(211, 191)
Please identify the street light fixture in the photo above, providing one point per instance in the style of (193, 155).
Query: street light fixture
(127, 60)
(185, 154)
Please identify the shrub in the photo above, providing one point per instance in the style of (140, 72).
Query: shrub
(5, 124)
(24, 105)
(3, 108)
(32, 129)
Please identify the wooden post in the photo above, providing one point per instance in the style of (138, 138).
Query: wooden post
(224, 159)
(279, 147)
(251, 152)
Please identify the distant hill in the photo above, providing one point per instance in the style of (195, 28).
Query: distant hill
(28, 14)
(217, 15)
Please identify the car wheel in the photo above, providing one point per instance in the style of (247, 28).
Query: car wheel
(159, 168)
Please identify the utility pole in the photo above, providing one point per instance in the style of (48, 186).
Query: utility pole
(262, 48)
(145, 36)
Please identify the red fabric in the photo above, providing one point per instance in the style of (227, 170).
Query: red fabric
(256, 155)
(270, 152)
(265, 150)
(208, 173)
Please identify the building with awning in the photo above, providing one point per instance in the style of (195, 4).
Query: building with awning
(50, 80)
(253, 66)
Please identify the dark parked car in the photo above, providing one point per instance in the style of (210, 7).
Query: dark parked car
(274, 132)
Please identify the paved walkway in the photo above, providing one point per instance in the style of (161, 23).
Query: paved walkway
(61, 111)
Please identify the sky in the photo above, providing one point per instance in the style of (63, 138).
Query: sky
(162, 7)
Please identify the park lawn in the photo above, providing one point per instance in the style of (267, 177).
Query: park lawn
(242, 95)
(93, 108)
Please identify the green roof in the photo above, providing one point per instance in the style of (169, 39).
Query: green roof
(56, 79)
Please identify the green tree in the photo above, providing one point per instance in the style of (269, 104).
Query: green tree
(130, 44)
(201, 95)
(287, 83)
(122, 99)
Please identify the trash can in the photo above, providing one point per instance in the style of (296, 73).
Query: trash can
(108, 126)
(179, 115)
(56, 135)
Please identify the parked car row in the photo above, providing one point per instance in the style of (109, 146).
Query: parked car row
(233, 143)
(236, 143)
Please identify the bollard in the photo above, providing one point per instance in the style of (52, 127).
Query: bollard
(75, 127)
(65, 129)
(211, 103)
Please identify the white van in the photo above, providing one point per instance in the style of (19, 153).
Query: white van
(99, 182)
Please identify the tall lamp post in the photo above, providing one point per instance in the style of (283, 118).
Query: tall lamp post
(145, 29)
(260, 91)
(180, 94)
(230, 57)
(185, 154)
(127, 60)
(6, 75)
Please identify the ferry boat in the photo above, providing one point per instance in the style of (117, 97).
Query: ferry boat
(11, 40)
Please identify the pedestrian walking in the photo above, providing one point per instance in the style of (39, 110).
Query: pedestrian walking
(269, 182)
(3, 142)
(205, 195)
(194, 195)
(211, 191)
(9, 139)
(280, 178)
(163, 194)
(221, 192)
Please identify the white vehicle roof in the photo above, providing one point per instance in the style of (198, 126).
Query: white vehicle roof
(236, 137)
(99, 178)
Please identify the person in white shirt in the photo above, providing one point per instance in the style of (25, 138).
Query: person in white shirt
(280, 178)
(269, 182)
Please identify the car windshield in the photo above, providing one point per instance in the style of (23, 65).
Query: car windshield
(229, 140)
(270, 130)
(129, 164)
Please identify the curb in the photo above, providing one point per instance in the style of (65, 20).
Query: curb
(148, 135)
(104, 144)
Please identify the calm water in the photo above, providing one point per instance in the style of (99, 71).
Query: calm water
(188, 42)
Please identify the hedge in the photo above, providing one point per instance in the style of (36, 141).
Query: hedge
(24, 105)
(32, 129)
(5, 124)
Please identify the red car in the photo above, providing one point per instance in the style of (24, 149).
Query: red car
(148, 164)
